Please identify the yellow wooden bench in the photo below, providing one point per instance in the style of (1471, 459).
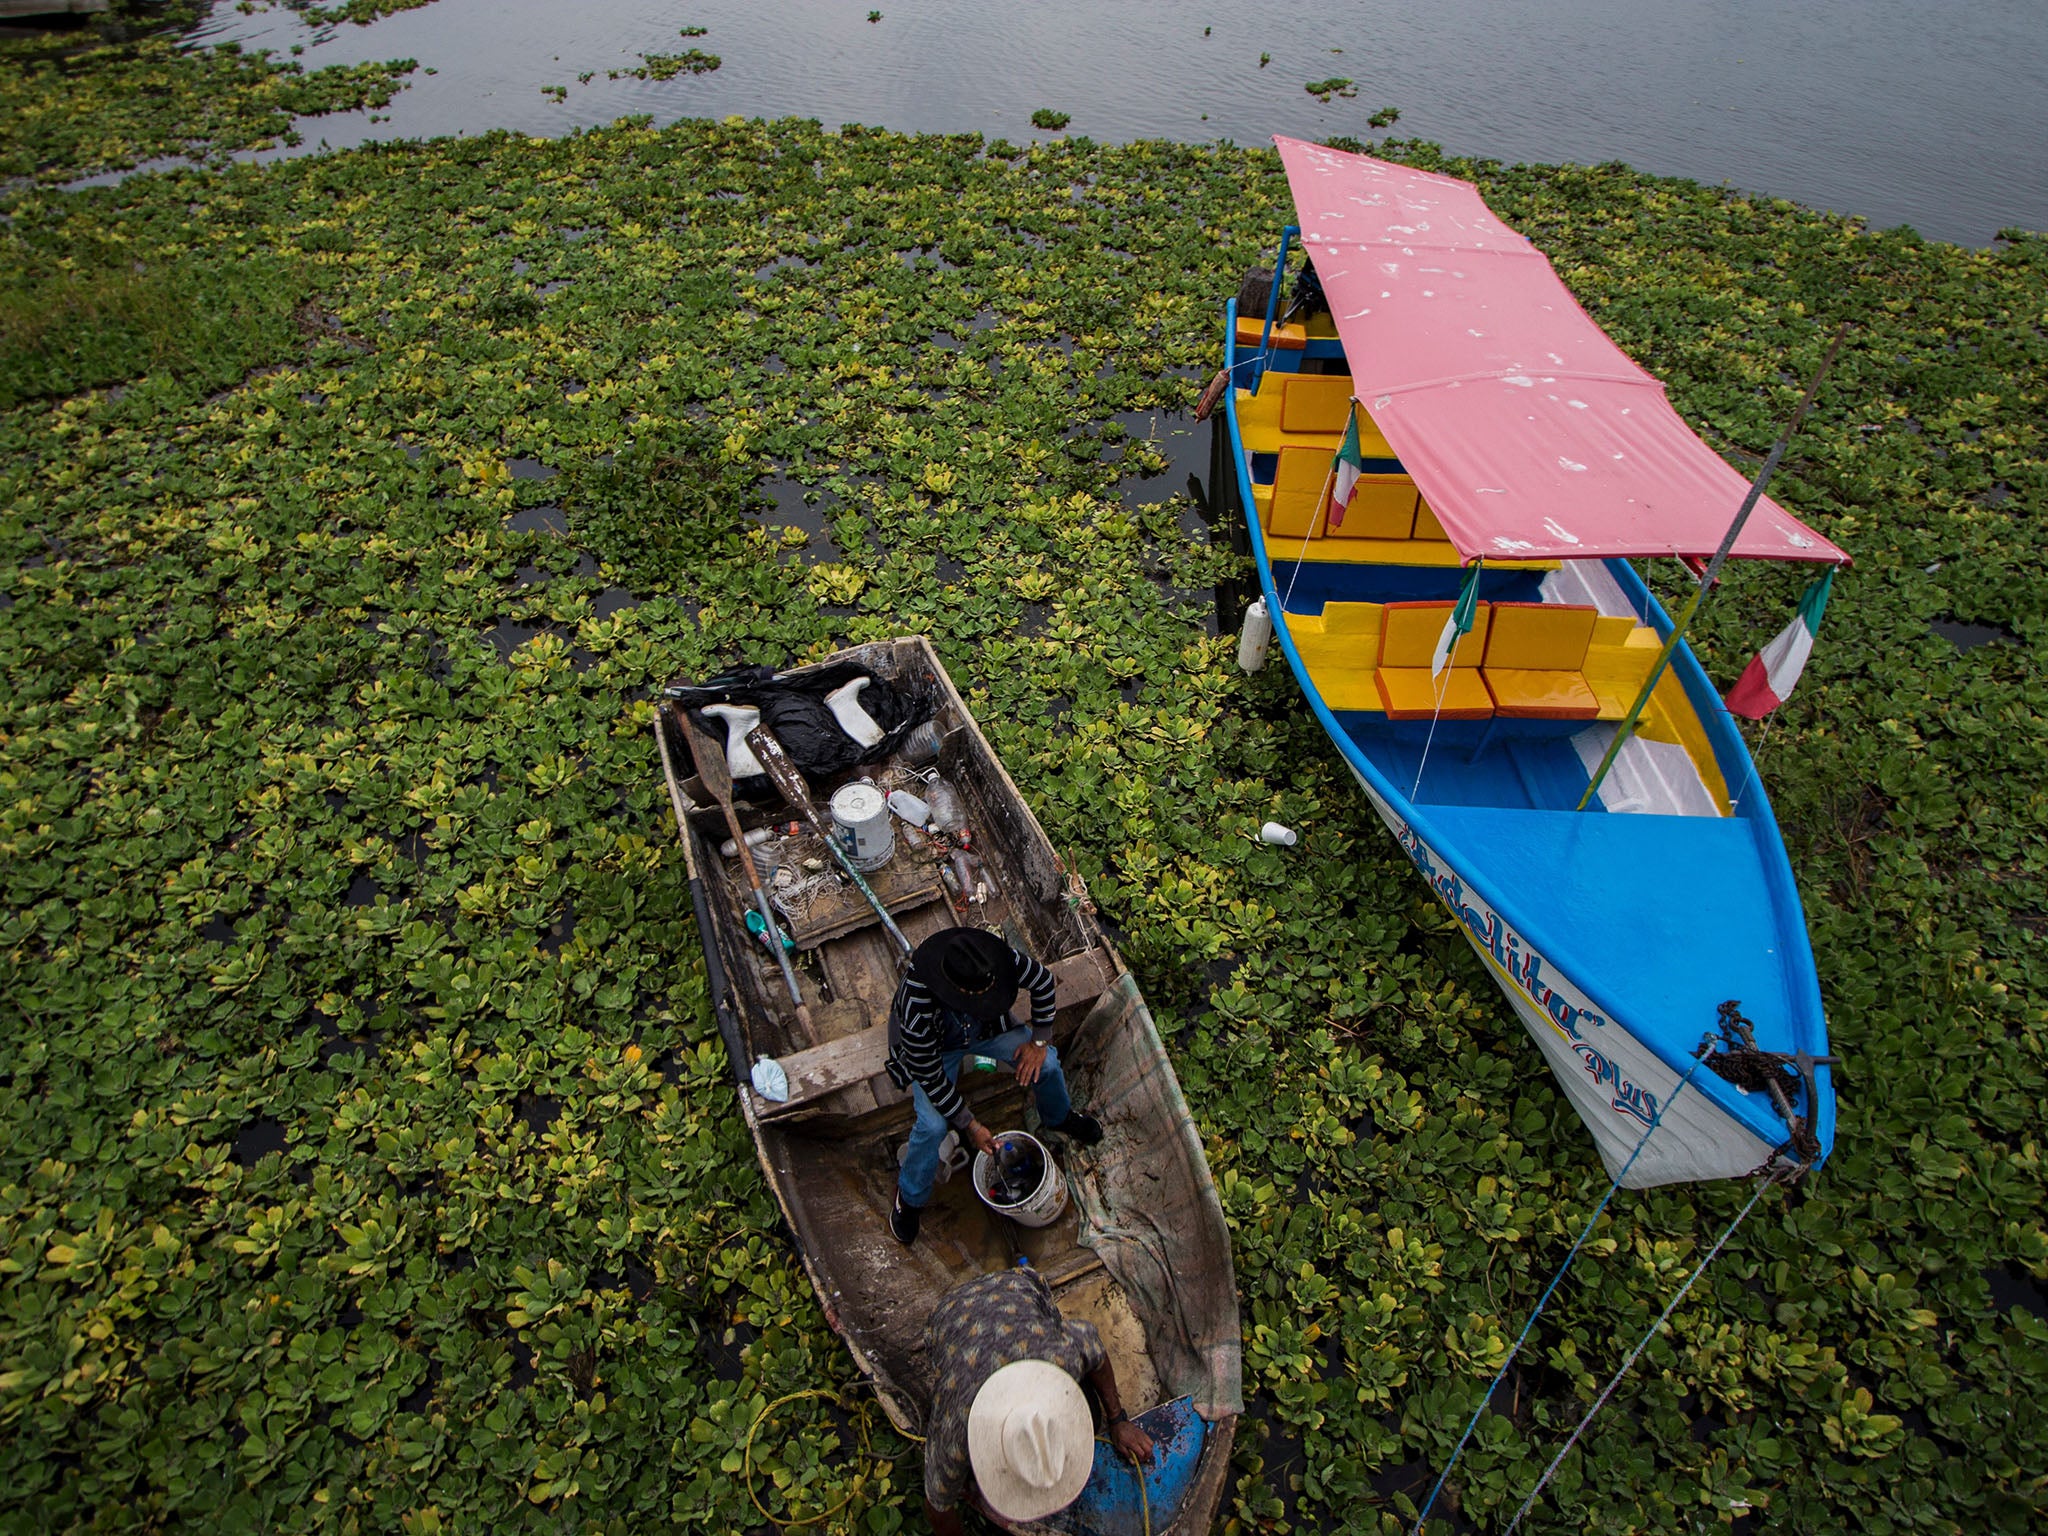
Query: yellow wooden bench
(1285, 338)
(1340, 647)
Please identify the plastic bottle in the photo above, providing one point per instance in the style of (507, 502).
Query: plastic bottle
(922, 744)
(756, 836)
(948, 815)
(909, 807)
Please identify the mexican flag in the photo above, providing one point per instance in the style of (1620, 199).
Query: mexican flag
(1345, 469)
(1767, 681)
(1463, 612)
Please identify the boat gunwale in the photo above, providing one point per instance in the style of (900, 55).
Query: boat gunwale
(1803, 988)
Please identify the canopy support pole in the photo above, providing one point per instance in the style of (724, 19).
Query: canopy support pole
(1273, 303)
(1711, 574)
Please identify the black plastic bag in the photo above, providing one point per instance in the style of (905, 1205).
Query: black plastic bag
(794, 710)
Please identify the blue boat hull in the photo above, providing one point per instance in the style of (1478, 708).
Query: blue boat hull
(1614, 937)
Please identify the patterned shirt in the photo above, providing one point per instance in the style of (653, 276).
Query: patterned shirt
(921, 1031)
(977, 1329)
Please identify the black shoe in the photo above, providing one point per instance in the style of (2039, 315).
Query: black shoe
(904, 1218)
(1082, 1130)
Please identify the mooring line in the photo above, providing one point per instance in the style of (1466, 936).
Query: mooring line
(1641, 1344)
(1543, 1301)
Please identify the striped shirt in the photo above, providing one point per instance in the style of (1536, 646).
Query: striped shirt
(922, 1030)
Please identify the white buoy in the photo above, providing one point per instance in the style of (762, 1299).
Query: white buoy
(844, 702)
(1279, 836)
(1253, 639)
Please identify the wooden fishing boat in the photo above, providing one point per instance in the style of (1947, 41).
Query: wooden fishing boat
(1141, 1249)
(1509, 456)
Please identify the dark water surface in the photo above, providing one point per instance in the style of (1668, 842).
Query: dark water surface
(1897, 112)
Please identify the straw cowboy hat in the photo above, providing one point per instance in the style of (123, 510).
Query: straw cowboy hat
(1031, 1440)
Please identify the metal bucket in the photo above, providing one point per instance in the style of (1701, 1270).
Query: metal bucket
(1040, 1208)
(860, 821)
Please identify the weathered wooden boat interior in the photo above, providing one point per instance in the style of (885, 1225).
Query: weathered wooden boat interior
(831, 1150)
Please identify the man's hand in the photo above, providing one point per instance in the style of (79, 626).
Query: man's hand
(983, 1138)
(1030, 1062)
(1131, 1442)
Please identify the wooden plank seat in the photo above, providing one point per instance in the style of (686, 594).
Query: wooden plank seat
(1535, 659)
(836, 1064)
(1407, 690)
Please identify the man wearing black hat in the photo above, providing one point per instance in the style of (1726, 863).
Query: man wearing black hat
(957, 999)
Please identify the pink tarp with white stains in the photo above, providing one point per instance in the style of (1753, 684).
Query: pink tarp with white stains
(1528, 431)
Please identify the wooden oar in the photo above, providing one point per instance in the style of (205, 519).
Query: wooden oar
(785, 776)
(709, 757)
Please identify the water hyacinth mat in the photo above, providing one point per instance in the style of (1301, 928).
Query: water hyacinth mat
(368, 1159)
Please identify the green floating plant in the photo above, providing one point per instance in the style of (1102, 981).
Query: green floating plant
(368, 1156)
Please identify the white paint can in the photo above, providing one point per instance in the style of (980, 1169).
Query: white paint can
(860, 820)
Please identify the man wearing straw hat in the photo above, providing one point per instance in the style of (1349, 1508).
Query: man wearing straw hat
(957, 999)
(1008, 1418)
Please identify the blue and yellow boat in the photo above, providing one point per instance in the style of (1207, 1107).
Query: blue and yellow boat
(1509, 460)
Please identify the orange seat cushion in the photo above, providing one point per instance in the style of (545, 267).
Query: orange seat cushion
(1522, 694)
(1541, 637)
(1409, 633)
(1286, 338)
(1410, 693)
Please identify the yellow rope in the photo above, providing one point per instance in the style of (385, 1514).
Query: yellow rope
(1144, 1498)
(747, 1459)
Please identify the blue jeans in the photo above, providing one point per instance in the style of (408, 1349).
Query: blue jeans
(921, 1158)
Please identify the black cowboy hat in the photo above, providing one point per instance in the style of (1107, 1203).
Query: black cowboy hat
(968, 970)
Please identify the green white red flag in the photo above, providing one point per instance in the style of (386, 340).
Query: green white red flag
(1345, 470)
(1464, 612)
(1767, 681)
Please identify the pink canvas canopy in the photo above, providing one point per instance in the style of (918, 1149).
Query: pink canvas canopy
(1530, 433)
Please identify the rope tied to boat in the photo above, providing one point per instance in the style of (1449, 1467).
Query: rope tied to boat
(1543, 1301)
(1732, 1053)
(1775, 1176)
